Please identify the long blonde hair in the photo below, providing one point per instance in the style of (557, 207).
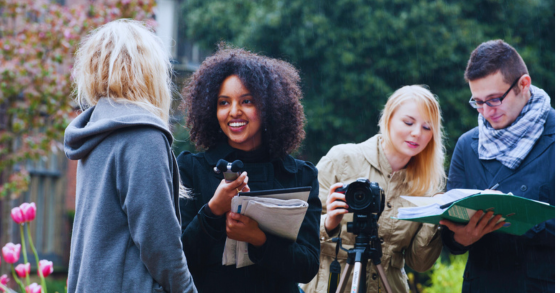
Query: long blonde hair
(125, 61)
(424, 173)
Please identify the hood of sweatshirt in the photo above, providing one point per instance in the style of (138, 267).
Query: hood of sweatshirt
(92, 126)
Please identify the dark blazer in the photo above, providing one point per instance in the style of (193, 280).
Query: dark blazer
(279, 263)
(501, 262)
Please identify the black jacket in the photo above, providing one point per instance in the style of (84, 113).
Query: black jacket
(279, 263)
(500, 262)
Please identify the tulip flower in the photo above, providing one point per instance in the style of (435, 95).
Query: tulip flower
(23, 270)
(17, 215)
(33, 288)
(10, 252)
(45, 268)
(4, 281)
(28, 210)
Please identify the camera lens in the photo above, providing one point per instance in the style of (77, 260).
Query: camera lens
(364, 197)
(359, 198)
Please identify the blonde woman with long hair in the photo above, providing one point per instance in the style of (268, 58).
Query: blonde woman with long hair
(406, 158)
(127, 231)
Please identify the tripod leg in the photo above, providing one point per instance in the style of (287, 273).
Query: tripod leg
(384, 279)
(356, 279)
(344, 278)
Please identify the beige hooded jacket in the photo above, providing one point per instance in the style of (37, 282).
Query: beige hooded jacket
(419, 245)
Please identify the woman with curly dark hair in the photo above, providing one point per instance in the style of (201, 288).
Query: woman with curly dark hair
(242, 106)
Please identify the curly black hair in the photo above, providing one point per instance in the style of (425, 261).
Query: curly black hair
(274, 85)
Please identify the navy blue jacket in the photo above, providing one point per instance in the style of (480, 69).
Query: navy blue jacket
(279, 264)
(501, 262)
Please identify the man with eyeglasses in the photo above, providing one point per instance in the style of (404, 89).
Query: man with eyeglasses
(512, 148)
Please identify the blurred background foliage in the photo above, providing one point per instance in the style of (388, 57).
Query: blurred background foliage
(352, 54)
(38, 39)
(443, 275)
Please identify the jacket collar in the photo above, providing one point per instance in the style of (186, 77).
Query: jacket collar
(373, 152)
(223, 150)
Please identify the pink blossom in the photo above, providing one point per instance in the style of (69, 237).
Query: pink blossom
(124, 2)
(45, 268)
(17, 215)
(29, 210)
(10, 252)
(67, 33)
(23, 270)
(4, 279)
(151, 23)
(33, 288)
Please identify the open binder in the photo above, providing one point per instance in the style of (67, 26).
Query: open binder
(459, 205)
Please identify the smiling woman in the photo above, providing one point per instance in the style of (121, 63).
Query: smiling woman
(238, 116)
(242, 106)
(273, 90)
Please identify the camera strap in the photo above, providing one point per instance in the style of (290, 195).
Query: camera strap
(334, 275)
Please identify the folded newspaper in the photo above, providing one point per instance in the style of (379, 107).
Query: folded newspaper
(279, 212)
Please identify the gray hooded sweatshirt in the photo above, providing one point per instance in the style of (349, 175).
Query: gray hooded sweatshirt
(127, 232)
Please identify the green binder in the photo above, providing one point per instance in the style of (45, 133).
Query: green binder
(521, 212)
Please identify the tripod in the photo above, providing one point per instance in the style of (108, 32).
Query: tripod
(367, 247)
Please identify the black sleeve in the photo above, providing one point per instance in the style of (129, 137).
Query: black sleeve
(296, 261)
(201, 230)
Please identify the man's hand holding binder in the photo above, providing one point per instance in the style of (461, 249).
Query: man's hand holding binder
(479, 225)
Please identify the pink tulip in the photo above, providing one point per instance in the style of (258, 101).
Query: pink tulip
(4, 280)
(45, 268)
(28, 210)
(10, 252)
(23, 270)
(33, 288)
(17, 215)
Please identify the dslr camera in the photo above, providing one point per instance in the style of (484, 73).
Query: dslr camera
(363, 197)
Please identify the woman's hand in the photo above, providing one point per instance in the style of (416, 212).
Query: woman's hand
(336, 208)
(243, 228)
(220, 203)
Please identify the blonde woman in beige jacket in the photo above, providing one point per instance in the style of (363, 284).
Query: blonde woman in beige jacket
(406, 158)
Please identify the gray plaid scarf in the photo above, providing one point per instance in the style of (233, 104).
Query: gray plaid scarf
(512, 144)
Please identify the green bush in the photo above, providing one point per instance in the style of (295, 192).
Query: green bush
(447, 277)
(55, 285)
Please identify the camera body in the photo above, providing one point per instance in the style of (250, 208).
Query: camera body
(363, 197)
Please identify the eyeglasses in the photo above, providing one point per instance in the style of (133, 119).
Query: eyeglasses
(477, 104)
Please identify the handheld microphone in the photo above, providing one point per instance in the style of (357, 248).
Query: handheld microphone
(230, 170)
